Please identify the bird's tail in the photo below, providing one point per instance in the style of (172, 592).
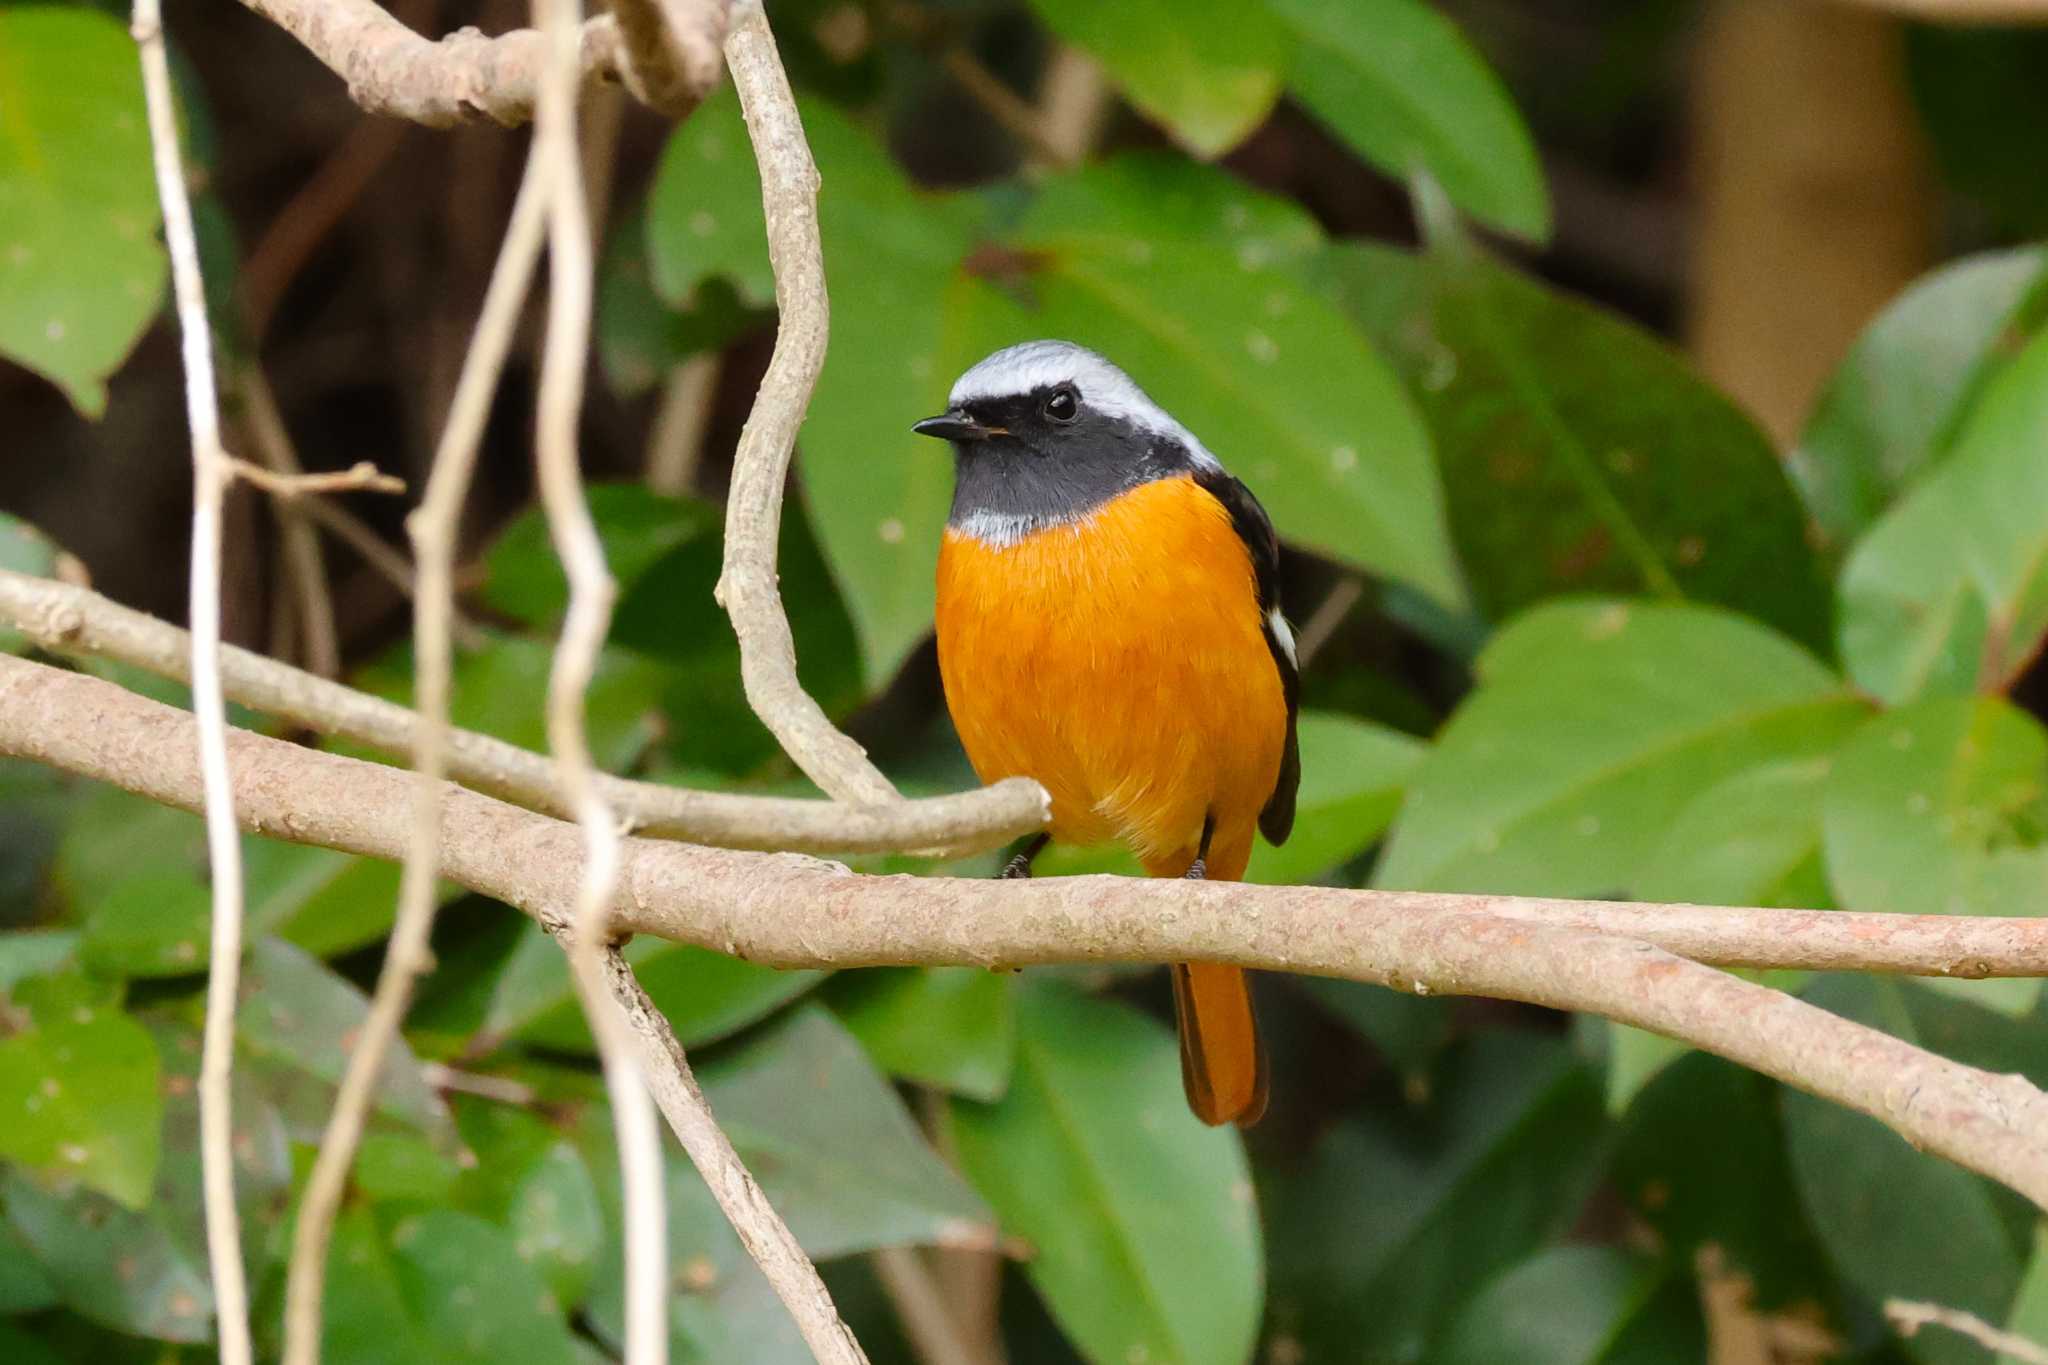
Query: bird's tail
(1222, 1065)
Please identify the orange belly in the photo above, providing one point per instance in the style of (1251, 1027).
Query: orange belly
(1120, 662)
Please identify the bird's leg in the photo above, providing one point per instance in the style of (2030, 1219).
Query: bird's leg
(1019, 866)
(1198, 870)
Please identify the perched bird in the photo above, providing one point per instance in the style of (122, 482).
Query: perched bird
(1109, 625)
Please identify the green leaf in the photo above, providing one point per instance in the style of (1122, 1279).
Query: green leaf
(706, 995)
(1147, 1242)
(444, 1287)
(80, 267)
(1352, 781)
(1579, 453)
(704, 213)
(1896, 1222)
(523, 575)
(297, 1022)
(1754, 839)
(1594, 725)
(1578, 1305)
(1399, 82)
(1941, 808)
(950, 1027)
(26, 953)
(1893, 407)
(556, 1222)
(1208, 71)
(19, 1348)
(1399, 1214)
(393, 1167)
(1259, 366)
(2029, 1315)
(1408, 1030)
(23, 549)
(110, 1264)
(84, 1103)
(1948, 592)
(1702, 1162)
(24, 1288)
(832, 1145)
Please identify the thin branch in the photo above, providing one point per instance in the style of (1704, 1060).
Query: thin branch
(670, 58)
(304, 222)
(441, 1076)
(1909, 1317)
(786, 910)
(304, 563)
(1965, 12)
(1017, 115)
(675, 439)
(1074, 101)
(753, 506)
(210, 477)
(935, 1334)
(761, 1230)
(565, 354)
(68, 619)
(407, 956)
(360, 477)
(392, 70)
(1324, 620)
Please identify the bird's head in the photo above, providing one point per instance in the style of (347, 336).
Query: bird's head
(1045, 432)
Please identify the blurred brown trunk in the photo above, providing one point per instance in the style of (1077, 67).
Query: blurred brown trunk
(1811, 192)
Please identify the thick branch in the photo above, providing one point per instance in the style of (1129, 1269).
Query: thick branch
(671, 58)
(71, 620)
(791, 911)
(392, 70)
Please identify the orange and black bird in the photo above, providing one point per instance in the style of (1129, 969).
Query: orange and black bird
(1109, 625)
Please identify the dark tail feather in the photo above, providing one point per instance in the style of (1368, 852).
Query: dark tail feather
(1221, 1063)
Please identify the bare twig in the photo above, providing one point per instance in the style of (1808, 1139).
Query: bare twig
(304, 562)
(564, 355)
(1018, 117)
(444, 1077)
(675, 441)
(406, 958)
(670, 60)
(1966, 12)
(67, 619)
(1909, 1317)
(790, 911)
(392, 70)
(1324, 620)
(360, 477)
(761, 1230)
(753, 506)
(928, 1320)
(1074, 100)
(306, 219)
(210, 477)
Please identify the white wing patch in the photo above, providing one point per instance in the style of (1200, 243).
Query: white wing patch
(1032, 365)
(1277, 623)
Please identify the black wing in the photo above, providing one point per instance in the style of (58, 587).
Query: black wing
(1276, 821)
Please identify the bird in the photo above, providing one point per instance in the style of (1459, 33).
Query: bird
(1109, 624)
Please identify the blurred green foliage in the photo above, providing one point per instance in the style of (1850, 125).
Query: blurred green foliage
(1696, 672)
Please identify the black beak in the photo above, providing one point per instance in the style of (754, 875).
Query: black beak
(954, 426)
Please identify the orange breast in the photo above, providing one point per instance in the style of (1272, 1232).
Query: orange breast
(1120, 662)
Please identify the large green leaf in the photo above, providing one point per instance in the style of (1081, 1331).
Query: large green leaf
(24, 1288)
(112, 1265)
(1399, 82)
(530, 1178)
(1894, 1221)
(950, 1027)
(638, 527)
(1578, 1305)
(23, 549)
(80, 267)
(1581, 454)
(2029, 1315)
(1893, 407)
(297, 1023)
(440, 1286)
(1941, 808)
(1146, 1241)
(705, 995)
(834, 1148)
(1949, 590)
(82, 1091)
(1595, 724)
(1207, 70)
(1399, 1214)
(1353, 776)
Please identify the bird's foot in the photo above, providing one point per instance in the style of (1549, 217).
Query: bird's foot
(1198, 870)
(1015, 869)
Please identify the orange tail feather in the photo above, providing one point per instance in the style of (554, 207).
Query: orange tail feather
(1221, 1063)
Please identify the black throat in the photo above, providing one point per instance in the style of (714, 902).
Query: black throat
(1038, 474)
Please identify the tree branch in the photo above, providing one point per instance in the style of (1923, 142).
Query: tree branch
(791, 911)
(71, 620)
(392, 70)
(1909, 1317)
(671, 58)
(760, 467)
(211, 475)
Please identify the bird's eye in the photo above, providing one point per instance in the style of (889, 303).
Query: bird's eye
(1062, 404)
